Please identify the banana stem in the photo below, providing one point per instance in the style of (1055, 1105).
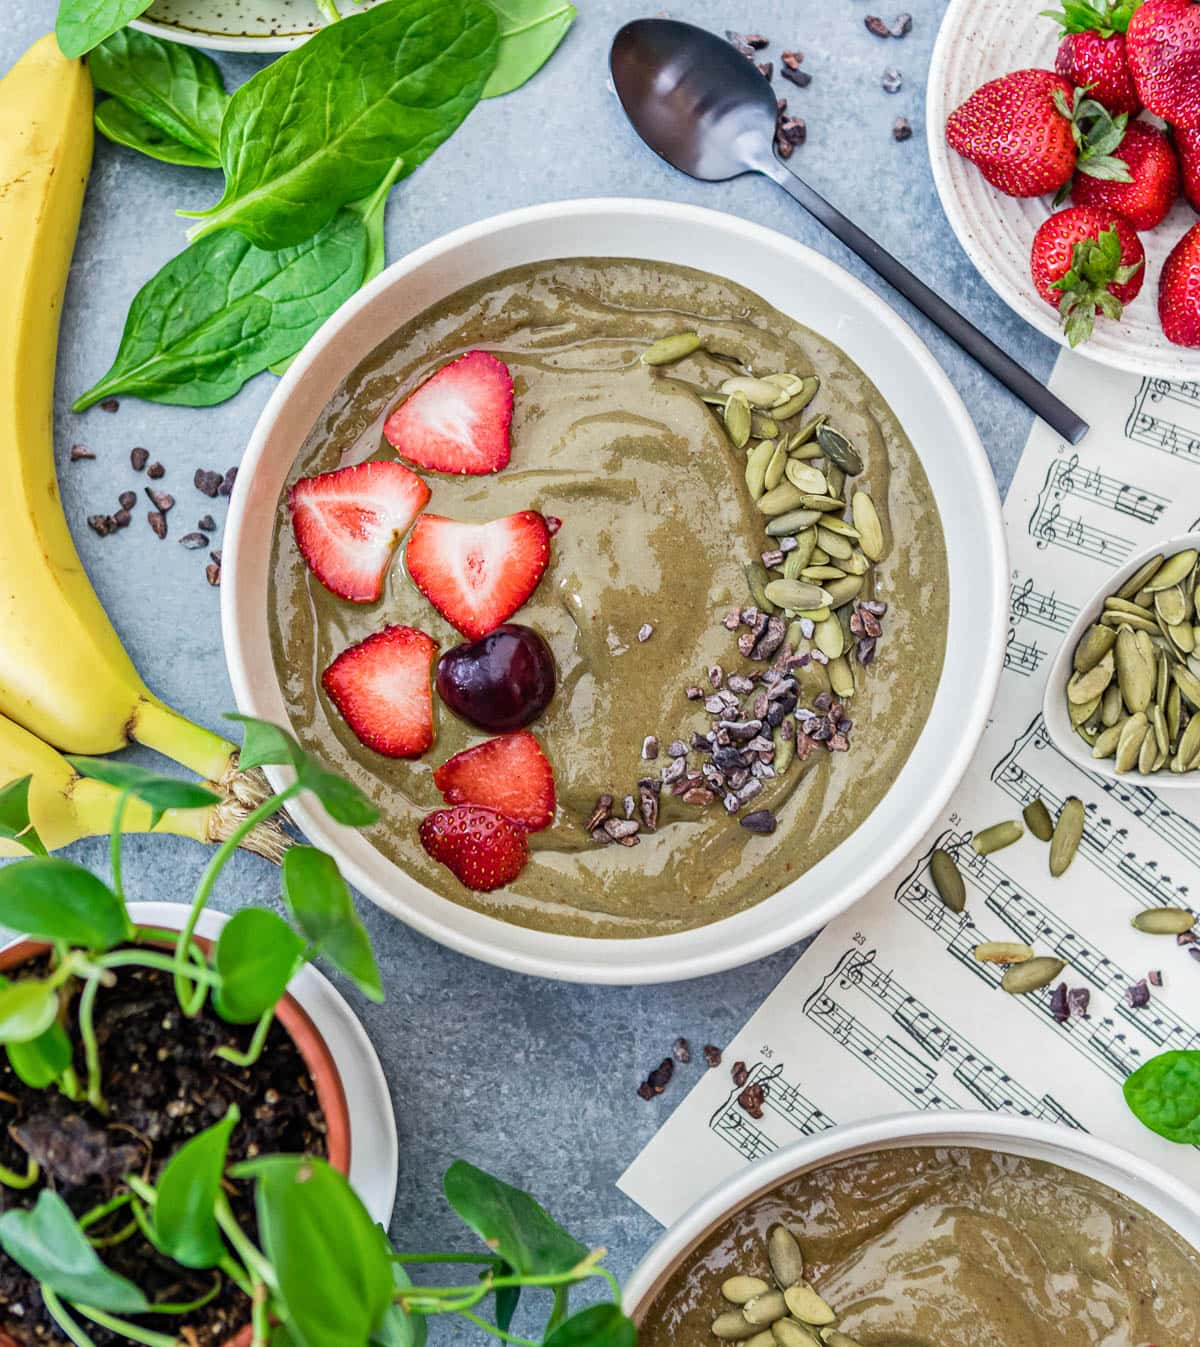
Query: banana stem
(166, 731)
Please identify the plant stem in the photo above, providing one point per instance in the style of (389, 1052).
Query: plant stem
(256, 1264)
(110, 1241)
(254, 1051)
(11, 1179)
(148, 958)
(497, 1331)
(122, 1326)
(444, 1258)
(236, 1274)
(98, 1213)
(114, 844)
(68, 1083)
(186, 1306)
(259, 1319)
(209, 878)
(91, 1048)
(58, 1312)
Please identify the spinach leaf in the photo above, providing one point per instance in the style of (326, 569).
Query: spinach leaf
(175, 88)
(322, 125)
(122, 126)
(1164, 1093)
(224, 310)
(82, 24)
(530, 31)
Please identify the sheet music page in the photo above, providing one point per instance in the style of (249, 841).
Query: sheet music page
(888, 1010)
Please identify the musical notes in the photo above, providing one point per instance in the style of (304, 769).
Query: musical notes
(1166, 416)
(1099, 493)
(1022, 657)
(784, 1100)
(1049, 610)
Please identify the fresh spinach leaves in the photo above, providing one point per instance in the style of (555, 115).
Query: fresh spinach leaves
(125, 127)
(321, 126)
(1164, 1093)
(176, 89)
(224, 310)
(530, 31)
(84, 24)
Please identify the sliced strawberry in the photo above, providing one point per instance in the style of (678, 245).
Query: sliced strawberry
(381, 687)
(482, 848)
(478, 575)
(458, 420)
(509, 774)
(348, 523)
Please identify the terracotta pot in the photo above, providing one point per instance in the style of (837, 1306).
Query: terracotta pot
(327, 1080)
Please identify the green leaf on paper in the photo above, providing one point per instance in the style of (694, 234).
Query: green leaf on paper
(1164, 1093)
(184, 1218)
(319, 899)
(511, 1223)
(530, 31)
(52, 899)
(257, 955)
(320, 127)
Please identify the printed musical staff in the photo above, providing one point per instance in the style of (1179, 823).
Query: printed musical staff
(1067, 480)
(1028, 604)
(1166, 416)
(782, 1099)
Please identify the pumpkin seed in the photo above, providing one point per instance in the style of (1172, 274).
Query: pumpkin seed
(1092, 648)
(806, 542)
(666, 350)
(1170, 605)
(795, 594)
(775, 466)
(1107, 741)
(1165, 921)
(833, 1337)
(1138, 579)
(785, 1256)
(784, 499)
(834, 543)
(1112, 707)
(1129, 620)
(757, 392)
(738, 1290)
(1114, 604)
(1188, 684)
(830, 639)
(838, 450)
(759, 582)
(762, 427)
(792, 522)
(1174, 711)
(998, 836)
(1189, 742)
(1079, 712)
(733, 1326)
(788, 384)
(1037, 819)
(841, 677)
(819, 557)
(788, 1333)
(836, 479)
(804, 477)
(1129, 743)
(857, 563)
(1148, 753)
(1162, 680)
(737, 420)
(787, 407)
(805, 1304)
(948, 880)
(1084, 687)
(1172, 571)
(1183, 634)
(1089, 733)
(819, 573)
(785, 744)
(1032, 976)
(1002, 951)
(813, 501)
(757, 461)
(1134, 673)
(764, 1339)
(866, 521)
(842, 591)
(1158, 721)
(793, 566)
(804, 438)
(1068, 833)
(765, 1309)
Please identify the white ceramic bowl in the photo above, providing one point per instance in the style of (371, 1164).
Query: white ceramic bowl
(1079, 1152)
(814, 291)
(1054, 703)
(236, 25)
(978, 41)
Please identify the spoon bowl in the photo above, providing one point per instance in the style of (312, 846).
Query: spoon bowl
(693, 98)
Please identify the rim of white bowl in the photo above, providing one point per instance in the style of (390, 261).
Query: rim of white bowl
(1054, 712)
(1079, 1152)
(701, 950)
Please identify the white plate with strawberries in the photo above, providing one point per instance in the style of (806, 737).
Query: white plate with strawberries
(1021, 136)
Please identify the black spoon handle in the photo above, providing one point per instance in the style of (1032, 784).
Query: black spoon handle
(1036, 396)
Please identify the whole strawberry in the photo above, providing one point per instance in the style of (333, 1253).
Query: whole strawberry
(1092, 52)
(1086, 261)
(1179, 291)
(1162, 44)
(1153, 179)
(1027, 132)
(1187, 146)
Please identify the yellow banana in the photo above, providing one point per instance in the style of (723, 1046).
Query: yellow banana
(64, 674)
(64, 806)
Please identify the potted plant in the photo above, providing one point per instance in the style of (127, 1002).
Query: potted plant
(173, 1171)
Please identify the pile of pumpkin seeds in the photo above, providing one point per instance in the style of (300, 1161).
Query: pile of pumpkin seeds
(789, 1313)
(1135, 691)
(823, 537)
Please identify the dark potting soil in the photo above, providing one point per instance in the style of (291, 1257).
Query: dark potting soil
(162, 1083)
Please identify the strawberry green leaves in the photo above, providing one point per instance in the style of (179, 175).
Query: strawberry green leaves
(1164, 1094)
(530, 31)
(1095, 265)
(321, 126)
(1097, 133)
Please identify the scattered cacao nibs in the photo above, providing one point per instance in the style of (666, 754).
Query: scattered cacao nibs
(161, 500)
(892, 80)
(226, 487)
(216, 556)
(874, 24)
(1187, 938)
(207, 481)
(212, 573)
(716, 676)
(677, 749)
(773, 558)
(712, 1055)
(1154, 977)
(158, 522)
(103, 524)
(800, 78)
(698, 795)
(127, 500)
(80, 451)
(648, 803)
(1059, 1004)
(901, 25)
(620, 830)
(1079, 999)
(794, 130)
(1194, 951)
(693, 694)
(553, 524)
(767, 70)
(902, 129)
(629, 804)
(109, 405)
(192, 541)
(139, 457)
(601, 811)
(645, 1090)
(1138, 996)
(155, 471)
(658, 1079)
(682, 1050)
(761, 821)
(732, 620)
(752, 1099)
(791, 59)
(207, 524)
(645, 631)
(650, 748)
(739, 1074)
(121, 518)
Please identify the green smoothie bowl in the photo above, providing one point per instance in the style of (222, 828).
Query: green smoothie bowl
(642, 566)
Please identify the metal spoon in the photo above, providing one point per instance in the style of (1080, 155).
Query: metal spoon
(705, 109)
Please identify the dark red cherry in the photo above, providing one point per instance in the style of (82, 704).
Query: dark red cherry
(503, 681)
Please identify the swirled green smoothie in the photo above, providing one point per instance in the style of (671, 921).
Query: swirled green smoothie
(936, 1247)
(645, 602)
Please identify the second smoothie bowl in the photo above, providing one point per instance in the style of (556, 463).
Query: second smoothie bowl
(658, 611)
